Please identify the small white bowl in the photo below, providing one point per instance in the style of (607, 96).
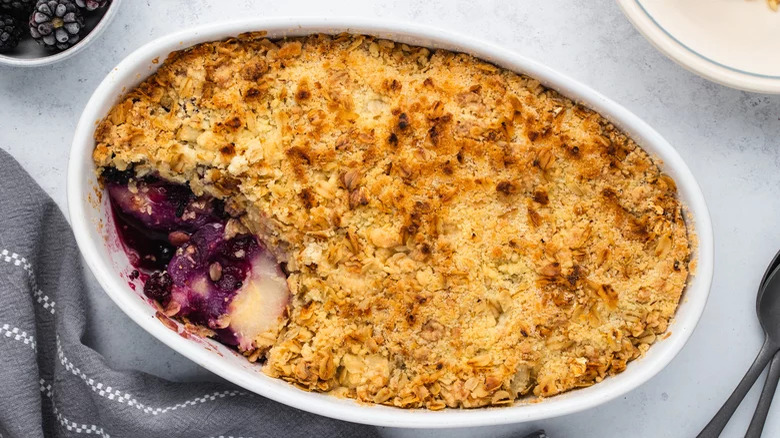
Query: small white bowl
(96, 235)
(31, 54)
(732, 42)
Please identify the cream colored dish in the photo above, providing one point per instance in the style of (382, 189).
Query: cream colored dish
(731, 42)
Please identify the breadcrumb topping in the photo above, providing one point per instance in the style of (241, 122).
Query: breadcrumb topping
(456, 234)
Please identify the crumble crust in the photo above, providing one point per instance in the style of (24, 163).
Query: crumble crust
(456, 234)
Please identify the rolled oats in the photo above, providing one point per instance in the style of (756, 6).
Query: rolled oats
(456, 234)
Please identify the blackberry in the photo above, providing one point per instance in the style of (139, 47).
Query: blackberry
(158, 286)
(91, 5)
(230, 279)
(239, 247)
(10, 32)
(21, 6)
(113, 175)
(56, 24)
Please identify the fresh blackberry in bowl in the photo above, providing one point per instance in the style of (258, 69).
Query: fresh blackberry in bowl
(91, 5)
(20, 6)
(10, 32)
(56, 24)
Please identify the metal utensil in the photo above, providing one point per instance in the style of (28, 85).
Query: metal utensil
(765, 401)
(768, 310)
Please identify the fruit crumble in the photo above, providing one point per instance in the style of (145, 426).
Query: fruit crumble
(395, 224)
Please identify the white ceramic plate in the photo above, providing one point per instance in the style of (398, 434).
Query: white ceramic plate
(733, 42)
(97, 238)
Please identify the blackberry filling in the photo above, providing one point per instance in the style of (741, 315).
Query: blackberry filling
(197, 265)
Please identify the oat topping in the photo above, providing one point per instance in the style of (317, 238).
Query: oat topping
(455, 234)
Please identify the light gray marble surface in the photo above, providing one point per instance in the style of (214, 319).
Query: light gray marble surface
(728, 138)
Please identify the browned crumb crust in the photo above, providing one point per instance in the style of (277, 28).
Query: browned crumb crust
(456, 234)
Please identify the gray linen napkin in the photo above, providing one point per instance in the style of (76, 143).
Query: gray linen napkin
(53, 385)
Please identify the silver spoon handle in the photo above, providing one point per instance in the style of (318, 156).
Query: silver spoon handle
(765, 401)
(719, 421)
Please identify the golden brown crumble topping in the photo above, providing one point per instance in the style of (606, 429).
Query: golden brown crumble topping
(455, 233)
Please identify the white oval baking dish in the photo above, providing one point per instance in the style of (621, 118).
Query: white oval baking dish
(97, 239)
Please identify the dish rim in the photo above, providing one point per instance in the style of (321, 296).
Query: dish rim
(692, 60)
(81, 169)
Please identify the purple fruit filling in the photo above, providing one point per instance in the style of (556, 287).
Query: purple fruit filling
(163, 207)
(206, 272)
(197, 269)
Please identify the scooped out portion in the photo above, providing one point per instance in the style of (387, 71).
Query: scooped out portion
(200, 264)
